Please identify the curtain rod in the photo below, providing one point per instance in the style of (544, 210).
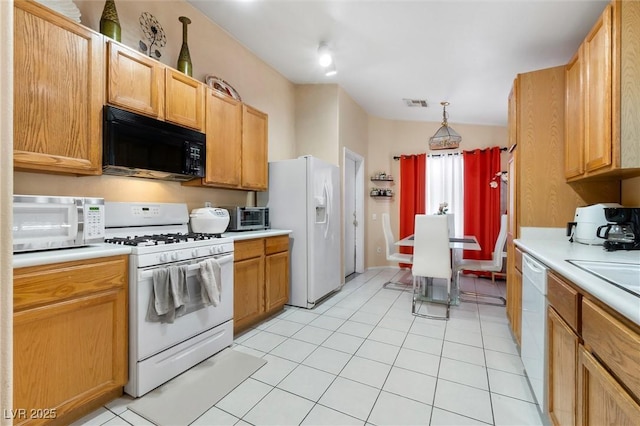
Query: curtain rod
(396, 157)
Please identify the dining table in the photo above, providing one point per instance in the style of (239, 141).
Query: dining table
(432, 293)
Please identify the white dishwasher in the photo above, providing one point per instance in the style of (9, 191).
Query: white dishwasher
(534, 325)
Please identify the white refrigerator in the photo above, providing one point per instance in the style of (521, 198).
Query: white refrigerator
(304, 196)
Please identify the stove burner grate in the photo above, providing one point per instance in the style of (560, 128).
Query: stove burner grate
(154, 240)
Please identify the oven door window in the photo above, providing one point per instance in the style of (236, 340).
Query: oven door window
(153, 337)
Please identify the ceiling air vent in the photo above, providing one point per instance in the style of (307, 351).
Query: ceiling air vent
(415, 103)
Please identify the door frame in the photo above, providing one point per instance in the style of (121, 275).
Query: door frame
(359, 187)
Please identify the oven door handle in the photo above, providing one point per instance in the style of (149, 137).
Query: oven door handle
(191, 267)
(149, 273)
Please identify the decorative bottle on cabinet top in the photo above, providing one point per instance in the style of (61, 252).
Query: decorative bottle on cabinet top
(109, 22)
(184, 60)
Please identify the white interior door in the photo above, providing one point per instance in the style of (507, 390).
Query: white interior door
(350, 216)
(353, 184)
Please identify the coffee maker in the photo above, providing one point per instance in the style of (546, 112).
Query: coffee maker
(622, 232)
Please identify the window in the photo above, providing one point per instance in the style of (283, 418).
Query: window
(445, 183)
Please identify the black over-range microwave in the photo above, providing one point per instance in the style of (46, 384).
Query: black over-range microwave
(135, 145)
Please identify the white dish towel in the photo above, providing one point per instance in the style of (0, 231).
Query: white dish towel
(169, 294)
(210, 282)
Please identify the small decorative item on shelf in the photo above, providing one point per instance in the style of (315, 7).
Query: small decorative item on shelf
(154, 33)
(219, 85)
(184, 59)
(443, 208)
(382, 176)
(109, 22)
(375, 192)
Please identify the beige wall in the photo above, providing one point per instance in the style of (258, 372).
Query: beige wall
(353, 135)
(212, 51)
(317, 121)
(389, 138)
(631, 192)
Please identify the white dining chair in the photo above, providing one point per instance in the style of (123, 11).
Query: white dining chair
(431, 259)
(493, 266)
(393, 255)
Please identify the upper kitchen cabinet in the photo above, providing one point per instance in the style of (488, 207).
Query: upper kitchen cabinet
(236, 145)
(224, 135)
(184, 100)
(603, 98)
(58, 93)
(145, 86)
(254, 149)
(135, 81)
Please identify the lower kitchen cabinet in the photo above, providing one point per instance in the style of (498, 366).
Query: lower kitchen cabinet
(70, 338)
(593, 358)
(261, 279)
(276, 272)
(248, 282)
(602, 400)
(562, 358)
(514, 290)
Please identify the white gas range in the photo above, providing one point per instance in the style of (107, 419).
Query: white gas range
(159, 237)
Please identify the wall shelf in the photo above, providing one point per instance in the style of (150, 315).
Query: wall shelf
(381, 196)
(381, 180)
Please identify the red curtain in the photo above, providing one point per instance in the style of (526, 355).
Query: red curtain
(412, 194)
(481, 201)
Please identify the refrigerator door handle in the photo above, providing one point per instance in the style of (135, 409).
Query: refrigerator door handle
(328, 202)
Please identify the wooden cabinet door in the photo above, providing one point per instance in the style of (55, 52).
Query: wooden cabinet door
(276, 280)
(69, 353)
(601, 400)
(597, 89)
(574, 119)
(254, 149)
(70, 332)
(514, 294)
(562, 354)
(224, 131)
(185, 99)
(248, 291)
(135, 81)
(58, 93)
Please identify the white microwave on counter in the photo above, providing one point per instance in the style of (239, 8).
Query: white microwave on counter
(42, 222)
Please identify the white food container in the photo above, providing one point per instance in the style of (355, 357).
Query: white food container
(209, 220)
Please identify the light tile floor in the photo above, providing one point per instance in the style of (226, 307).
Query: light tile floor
(361, 358)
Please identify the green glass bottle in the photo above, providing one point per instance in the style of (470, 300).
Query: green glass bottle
(109, 22)
(184, 60)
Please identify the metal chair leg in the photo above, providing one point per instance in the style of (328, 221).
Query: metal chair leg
(436, 317)
(396, 285)
(502, 300)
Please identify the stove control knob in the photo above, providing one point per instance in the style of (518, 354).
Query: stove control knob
(194, 253)
(164, 257)
(220, 249)
(175, 256)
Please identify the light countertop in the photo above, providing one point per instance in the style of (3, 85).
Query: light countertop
(34, 258)
(555, 251)
(263, 233)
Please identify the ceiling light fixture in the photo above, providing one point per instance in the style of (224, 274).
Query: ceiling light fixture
(331, 70)
(324, 55)
(445, 137)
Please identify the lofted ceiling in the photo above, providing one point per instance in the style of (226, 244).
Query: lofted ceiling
(465, 52)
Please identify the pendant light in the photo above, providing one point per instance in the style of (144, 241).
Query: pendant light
(445, 137)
